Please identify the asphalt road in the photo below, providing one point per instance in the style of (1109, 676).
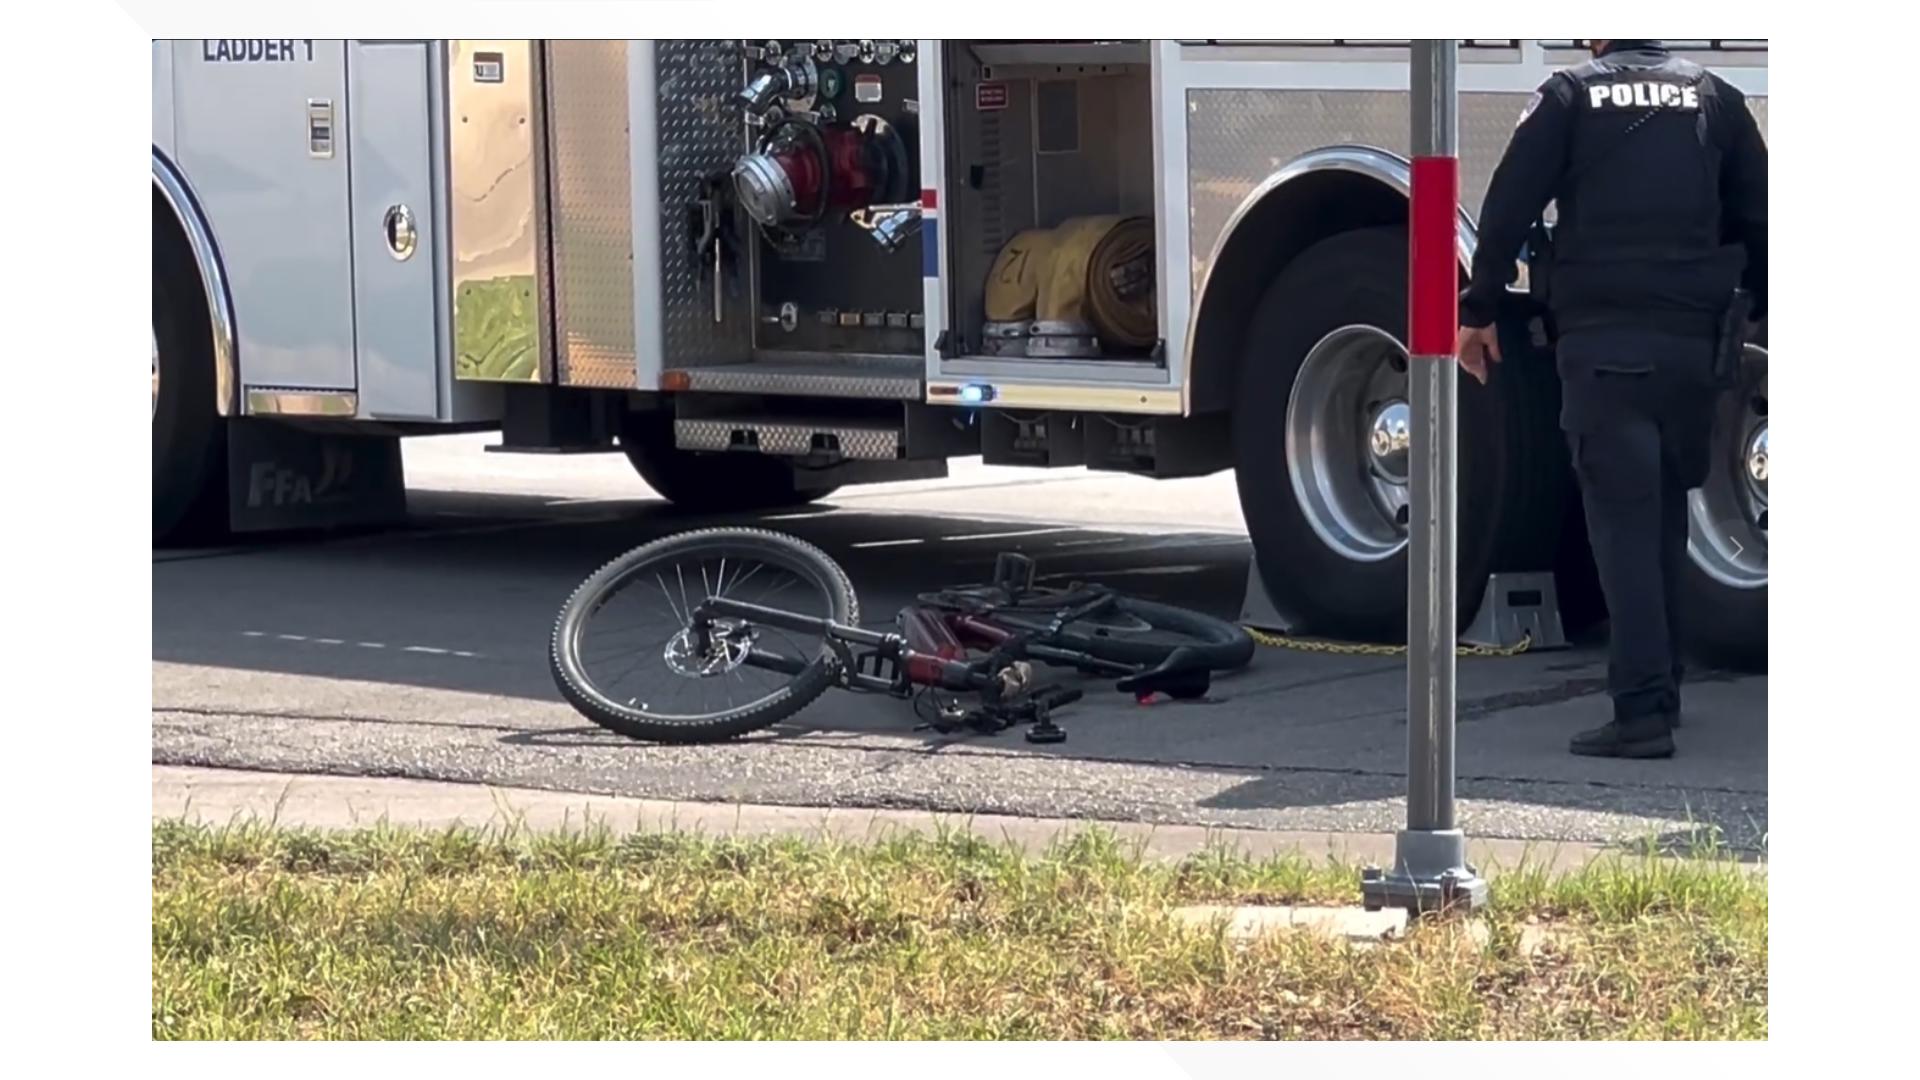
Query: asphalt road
(420, 652)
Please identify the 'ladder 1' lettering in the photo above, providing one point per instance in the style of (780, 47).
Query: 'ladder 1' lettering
(256, 50)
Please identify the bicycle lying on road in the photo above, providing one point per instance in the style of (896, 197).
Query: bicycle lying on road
(716, 658)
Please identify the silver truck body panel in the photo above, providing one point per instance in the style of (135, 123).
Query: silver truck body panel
(396, 293)
(601, 288)
(278, 210)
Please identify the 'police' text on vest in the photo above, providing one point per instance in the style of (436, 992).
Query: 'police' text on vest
(1643, 95)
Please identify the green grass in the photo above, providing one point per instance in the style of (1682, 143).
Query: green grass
(261, 932)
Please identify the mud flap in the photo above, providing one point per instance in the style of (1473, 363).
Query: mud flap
(283, 477)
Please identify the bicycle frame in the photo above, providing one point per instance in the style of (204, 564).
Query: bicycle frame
(895, 663)
(891, 658)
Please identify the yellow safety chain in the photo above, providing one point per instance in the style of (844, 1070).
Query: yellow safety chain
(1344, 648)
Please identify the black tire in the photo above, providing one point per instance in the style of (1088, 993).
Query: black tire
(1722, 625)
(795, 556)
(710, 483)
(1134, 631)
(187, 447)
(1360, 277)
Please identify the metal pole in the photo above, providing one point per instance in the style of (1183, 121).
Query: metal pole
(1430, 599)
(1430, 870)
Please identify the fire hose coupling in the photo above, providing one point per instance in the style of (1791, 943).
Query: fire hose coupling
(804, 171)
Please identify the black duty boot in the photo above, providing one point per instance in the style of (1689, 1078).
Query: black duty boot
(1646, 737)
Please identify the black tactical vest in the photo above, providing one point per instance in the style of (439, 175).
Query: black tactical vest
(1638, 238)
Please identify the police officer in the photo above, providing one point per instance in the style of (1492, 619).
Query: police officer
(1659, 175)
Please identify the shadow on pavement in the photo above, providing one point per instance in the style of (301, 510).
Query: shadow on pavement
(463, 599)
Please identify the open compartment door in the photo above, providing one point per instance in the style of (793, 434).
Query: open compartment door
(1043, 165)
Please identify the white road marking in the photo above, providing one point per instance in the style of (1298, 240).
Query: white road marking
(1008, 535)
(427, 650)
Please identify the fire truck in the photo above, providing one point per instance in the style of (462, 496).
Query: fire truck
(766, 270)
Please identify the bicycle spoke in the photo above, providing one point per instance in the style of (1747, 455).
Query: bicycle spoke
(771, 593)
(663, 592)
(743, 578)
(679, 571)
(648, 649)
(630, 669)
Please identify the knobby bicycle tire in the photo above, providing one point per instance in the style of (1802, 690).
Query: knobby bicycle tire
(1221, 645)
(793, 555)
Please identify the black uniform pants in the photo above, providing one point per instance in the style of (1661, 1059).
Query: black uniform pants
(1638, 412)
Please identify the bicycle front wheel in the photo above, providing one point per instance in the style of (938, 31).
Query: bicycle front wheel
(627, 654)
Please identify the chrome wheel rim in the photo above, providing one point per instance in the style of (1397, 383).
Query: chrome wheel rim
(1348, 442)
(1727, 515)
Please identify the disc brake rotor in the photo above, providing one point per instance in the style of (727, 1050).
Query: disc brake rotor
(728, 644)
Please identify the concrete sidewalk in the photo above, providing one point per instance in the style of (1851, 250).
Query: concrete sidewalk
(220, 796)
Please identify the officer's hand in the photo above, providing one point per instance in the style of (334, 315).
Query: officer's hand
(1476, 345)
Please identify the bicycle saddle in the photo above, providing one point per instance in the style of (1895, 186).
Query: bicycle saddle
(1183, 675)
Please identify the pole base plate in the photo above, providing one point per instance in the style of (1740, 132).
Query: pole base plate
(1430, 876)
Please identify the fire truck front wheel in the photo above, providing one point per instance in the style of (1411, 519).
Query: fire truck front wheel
(186, 432)
(710, 483)
(1321, 443)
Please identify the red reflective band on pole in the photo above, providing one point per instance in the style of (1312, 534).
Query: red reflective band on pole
(1434, 287)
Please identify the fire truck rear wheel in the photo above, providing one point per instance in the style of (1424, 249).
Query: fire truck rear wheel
(1723, 591)
(186, 431)
(710, 483)
(1320, 440)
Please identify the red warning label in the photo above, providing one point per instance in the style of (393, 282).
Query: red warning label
(989, 96)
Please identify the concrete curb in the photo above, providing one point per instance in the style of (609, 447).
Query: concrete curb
(219, 796)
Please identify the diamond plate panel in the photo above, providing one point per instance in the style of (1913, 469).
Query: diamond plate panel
(592, 199)
(760, 378)
(1237, 138)
(788, 439)
(701, 132)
